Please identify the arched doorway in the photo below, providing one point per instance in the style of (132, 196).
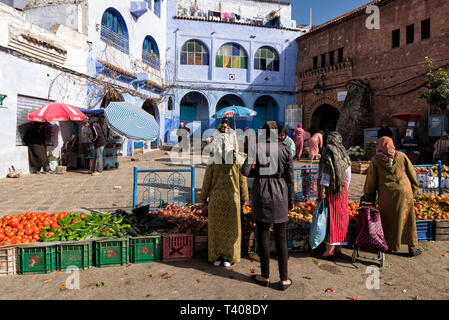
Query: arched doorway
(150, 106)
(194, 107)
(228, 101)
(267, 109)
(324, 118)
(111, 96)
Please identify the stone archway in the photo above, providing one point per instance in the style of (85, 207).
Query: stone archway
(324, 118)
(228, 101)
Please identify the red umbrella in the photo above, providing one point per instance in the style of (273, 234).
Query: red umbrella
(57, 112)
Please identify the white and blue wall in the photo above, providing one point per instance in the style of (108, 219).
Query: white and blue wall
(206, 88)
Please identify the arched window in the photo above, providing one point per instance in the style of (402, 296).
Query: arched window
(150, 53)
(266, 59)
(114, 31)
(231, 55)
(193, 52)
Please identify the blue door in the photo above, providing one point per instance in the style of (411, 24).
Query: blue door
(262, 116)
(188, 113)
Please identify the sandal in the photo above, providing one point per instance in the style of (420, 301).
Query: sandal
(413, 251)
(286, 286)
(260, 282)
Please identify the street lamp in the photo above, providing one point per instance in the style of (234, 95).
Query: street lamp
(319, 86)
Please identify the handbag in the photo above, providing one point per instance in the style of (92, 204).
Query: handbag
(318, 228)
(369, 231)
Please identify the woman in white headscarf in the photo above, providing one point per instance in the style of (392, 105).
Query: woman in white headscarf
(223, 191)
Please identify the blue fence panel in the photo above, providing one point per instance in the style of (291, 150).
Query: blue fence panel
(153, 183)
(306, 184)
(429, 182)
(306, 181)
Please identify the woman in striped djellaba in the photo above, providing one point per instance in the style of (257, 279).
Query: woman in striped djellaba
(335, 176)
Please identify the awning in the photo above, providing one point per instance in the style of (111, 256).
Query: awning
(92, 112)
(131, 121)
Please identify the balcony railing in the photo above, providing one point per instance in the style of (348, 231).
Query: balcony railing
(151, 59)
(114, 39)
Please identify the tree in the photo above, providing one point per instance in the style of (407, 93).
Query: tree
(438, 94)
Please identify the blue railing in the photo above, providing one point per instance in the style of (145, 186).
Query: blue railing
(152, 185)
(151, 59)
(306, 181)
(306, 184)
(428, 183)
(114, 39)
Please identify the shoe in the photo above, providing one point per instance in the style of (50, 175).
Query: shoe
(328, 258)
(286, 286)
(338, 254)
(217, 263)
(259, 282)
(227, 263)
(95, 173)
(413, 251)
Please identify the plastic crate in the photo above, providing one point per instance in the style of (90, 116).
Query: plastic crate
(298, 239)
(425, 230)
(145, 249)
(111, 252)
(36, 258)
(177, 247)
(74, 254)
(8, 260)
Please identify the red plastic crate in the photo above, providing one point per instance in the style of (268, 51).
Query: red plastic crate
(177, 247)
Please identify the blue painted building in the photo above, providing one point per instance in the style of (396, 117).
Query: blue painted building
(127, 45)
(230, 53)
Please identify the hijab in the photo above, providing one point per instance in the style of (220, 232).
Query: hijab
(386, 149)
(334, 162)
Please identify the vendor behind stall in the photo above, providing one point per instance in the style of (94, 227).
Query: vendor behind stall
(70, 153)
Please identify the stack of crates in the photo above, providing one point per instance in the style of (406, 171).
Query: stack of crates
(111, 252)
(8, 260)
(37, 258)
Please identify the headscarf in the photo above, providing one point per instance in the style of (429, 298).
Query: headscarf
(334, 162)
(386, 149)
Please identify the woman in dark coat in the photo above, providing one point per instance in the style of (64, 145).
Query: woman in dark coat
(35, 140)
(272, 197)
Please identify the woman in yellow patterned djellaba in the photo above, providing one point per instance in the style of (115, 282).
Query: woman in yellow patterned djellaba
(224, 189)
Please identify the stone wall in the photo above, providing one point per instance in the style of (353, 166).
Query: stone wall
(393, 73)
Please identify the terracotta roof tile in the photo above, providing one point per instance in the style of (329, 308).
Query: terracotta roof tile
(117, 69)
(348, 15)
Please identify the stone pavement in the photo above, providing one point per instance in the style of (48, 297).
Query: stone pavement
(78, 190)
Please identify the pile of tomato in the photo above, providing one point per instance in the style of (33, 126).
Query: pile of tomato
(27, 227)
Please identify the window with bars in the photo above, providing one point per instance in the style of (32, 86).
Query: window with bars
(266, 59)
(341, 53)
(425, 29)
(332, 58)
(323, 60)
(396, 38)
(315, 62)
(193, 52)
(233, 56)
(150, 53)
(410, 34)
(113, 30)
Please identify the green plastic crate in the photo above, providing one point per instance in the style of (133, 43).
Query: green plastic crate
(36, 258)
(145, 249)
(111, 252)
(74, 254)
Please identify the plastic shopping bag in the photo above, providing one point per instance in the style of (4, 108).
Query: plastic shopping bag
(318, 229)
